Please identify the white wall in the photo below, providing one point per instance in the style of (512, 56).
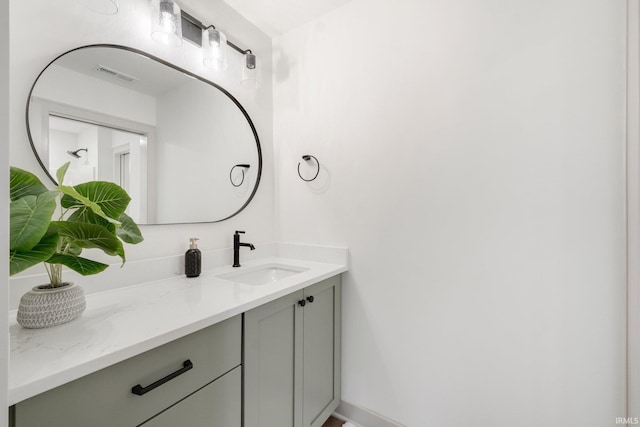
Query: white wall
(5, 117)
(633, 208)
(68, 25)
(472, 158)
(59, 143)
(101, 137)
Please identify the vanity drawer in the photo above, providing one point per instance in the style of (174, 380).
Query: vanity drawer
(105, 398)
(217, 405)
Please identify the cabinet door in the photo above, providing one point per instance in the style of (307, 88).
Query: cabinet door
(322, 353)
(216, 405)
(273, 363)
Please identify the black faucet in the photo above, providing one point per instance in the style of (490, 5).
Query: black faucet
(236, 248)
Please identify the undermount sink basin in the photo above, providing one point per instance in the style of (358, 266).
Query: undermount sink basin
(263, 275)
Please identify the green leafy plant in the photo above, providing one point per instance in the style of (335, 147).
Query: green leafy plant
(92, 215)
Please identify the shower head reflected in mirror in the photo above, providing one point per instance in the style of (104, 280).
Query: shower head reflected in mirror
(75, 153)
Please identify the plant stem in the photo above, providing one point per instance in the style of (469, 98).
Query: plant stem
(55, 270)
(56, 275)
(46, 267)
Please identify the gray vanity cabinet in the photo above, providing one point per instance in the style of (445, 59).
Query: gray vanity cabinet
(206, 385)
(292, 358)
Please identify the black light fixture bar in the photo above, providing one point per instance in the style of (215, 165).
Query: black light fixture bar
(192, 30)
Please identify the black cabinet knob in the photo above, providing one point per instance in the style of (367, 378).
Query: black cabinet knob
(310, 299)
(302, 303)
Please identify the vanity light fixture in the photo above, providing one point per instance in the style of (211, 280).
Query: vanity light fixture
(249, 73)
(166, 22)
(171, 26)
(214, 48)
(103, 7)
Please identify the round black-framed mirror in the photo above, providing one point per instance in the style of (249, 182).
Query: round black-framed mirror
(172, 138)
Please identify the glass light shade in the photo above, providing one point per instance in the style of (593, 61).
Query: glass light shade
(166, 22)
(249, 71)
(103, 7)
(214, 47)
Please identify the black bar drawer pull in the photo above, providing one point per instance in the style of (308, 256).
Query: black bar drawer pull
(139, 390)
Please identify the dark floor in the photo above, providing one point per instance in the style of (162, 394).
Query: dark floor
(333, 422)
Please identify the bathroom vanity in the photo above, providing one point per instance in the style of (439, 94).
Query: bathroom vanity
(193, 352)
(257, 345)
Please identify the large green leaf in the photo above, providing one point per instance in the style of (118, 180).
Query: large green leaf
(89, 236)
(87, 216)
(23, 183)
(84, 266)
(30, 217)
(61, 172)
(74, 200)
(129, 231)
(21, 260)
(111, 198)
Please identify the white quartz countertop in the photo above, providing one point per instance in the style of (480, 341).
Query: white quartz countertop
(125, 322)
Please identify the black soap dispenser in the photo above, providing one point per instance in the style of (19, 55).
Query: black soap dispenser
(193, 259)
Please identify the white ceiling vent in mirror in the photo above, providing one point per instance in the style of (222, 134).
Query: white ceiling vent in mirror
(110, 72)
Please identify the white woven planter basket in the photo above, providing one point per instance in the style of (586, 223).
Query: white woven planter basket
(43, 308)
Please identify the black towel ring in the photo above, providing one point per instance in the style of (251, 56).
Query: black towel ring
(242, 167)
(308, 157)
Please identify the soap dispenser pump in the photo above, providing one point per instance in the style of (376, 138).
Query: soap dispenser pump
(193, 259)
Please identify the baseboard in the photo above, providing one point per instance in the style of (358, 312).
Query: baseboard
(363, 417)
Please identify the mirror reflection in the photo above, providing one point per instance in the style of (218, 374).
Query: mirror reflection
(184, 148)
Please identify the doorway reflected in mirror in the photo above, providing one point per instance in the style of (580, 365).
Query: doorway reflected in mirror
(99, 153)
